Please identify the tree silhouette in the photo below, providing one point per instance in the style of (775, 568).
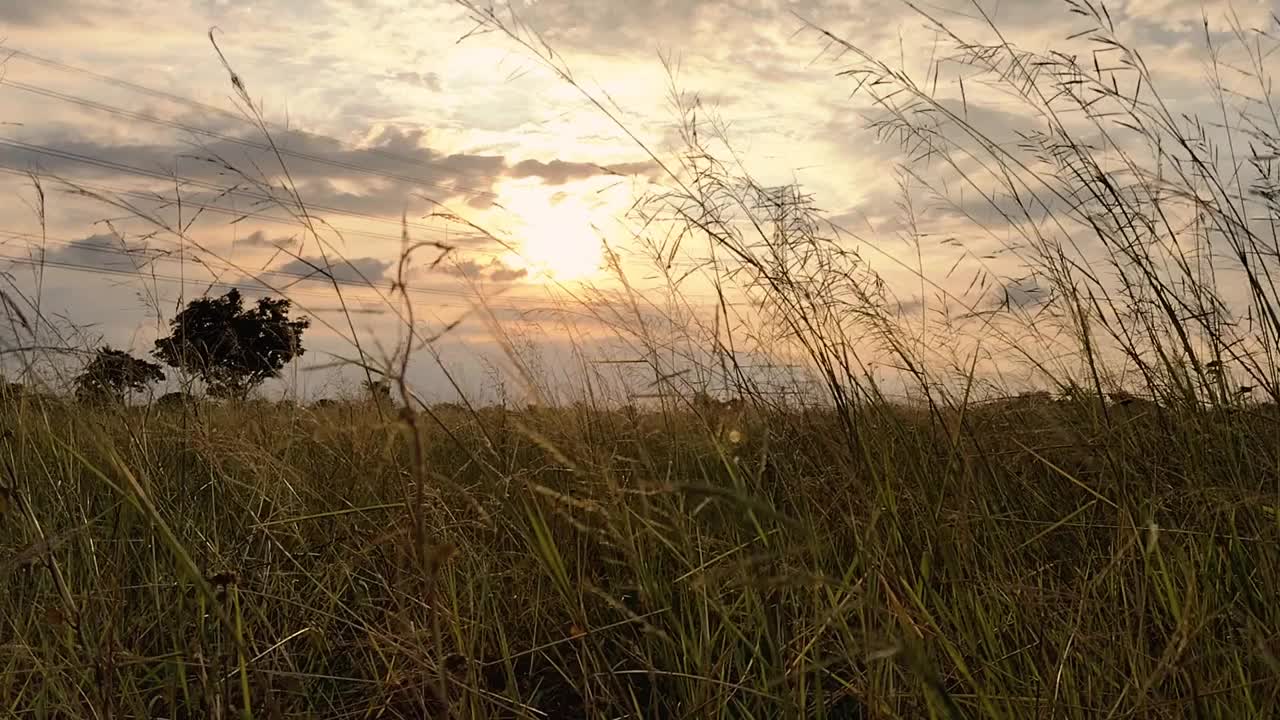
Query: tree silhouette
(233, 350)
(378, 391)
(112, 374)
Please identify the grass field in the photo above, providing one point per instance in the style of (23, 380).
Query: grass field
(1106, 546)
(1028, 560)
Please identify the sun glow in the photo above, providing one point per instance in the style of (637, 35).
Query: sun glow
(558, 242)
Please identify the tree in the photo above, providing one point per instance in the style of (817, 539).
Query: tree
(233, 350)
(378, 392)
(112, 374)
(175, 401)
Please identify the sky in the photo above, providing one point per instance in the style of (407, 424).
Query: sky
(388, 113)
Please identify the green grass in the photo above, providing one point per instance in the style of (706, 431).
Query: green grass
(1023, 561)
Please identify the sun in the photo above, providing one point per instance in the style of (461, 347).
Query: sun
(559, 242)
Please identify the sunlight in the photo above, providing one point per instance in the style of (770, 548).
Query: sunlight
(558, 242)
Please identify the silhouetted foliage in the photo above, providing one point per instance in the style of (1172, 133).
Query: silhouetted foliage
(378, 391)
(175, 401)
(231, 349)
(12, 390)
(112, 374)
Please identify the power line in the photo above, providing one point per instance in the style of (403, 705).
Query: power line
(508, 302)
(173, 97)
(98, 271)
(215, 264)
(65, 67)
(261, 287)
(261, 216)
(213, 187)
(217, 209)
(220, 136)
(238, 214)
(130, 169)
(264, 147)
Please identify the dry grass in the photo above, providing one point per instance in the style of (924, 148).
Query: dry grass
(1104, 548)
(1017, 562)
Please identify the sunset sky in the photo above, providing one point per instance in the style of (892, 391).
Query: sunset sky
(379, 104)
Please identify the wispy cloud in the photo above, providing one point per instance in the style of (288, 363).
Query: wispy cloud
(494, 270)
(351, 270)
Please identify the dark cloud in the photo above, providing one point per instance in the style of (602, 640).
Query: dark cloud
(1022, 293)
(506, 274)
(556, 172)
(495, 271)
(259, 239)
(480, 202)
(355, 270)
(559, 172)
(430, 81)
(394, 151)
(102, 250)
(466, 268)
(43, 12)
(391, 169)
(910, 306)
(644, 167)
(394, 160)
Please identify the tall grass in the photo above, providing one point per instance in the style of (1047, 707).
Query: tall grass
(1102, 549)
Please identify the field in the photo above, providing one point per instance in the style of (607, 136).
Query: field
(1051, 493)
(1035, 559)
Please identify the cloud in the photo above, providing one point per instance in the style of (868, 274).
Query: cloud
(354, 270)
(1188, 14)
(46, 12)
(394, 160)
(480, 202)
(645, 167)
(559, 172)
(556, 172)
(506, 274)
(910, 306)
(753, 37)
(466, 268)
(393, 166)
(103, 250)
(430, 81)
(258, 239)
(494, 270)
(614, 26)
(1022, 293)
